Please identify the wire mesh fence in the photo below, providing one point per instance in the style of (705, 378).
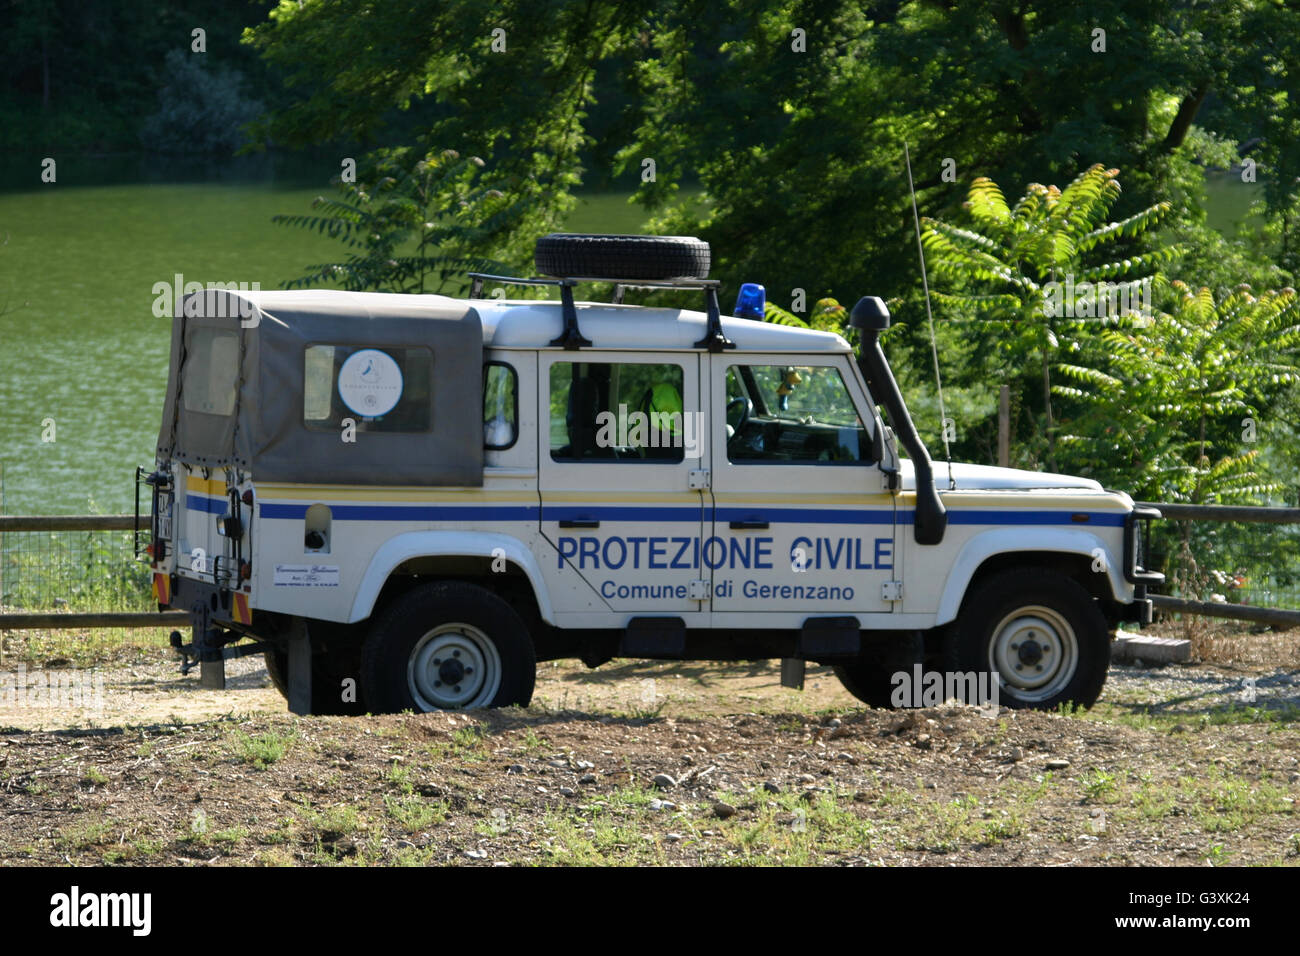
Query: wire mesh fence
(1254, 564)
(78, 570)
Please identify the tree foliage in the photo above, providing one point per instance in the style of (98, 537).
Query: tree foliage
(413, 224)
(1175, 409)
(791, 114)
(1014, 269)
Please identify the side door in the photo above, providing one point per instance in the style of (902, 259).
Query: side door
(621, 445)
(803, 520)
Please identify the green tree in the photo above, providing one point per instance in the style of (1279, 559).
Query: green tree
(509, 82)
(1015, 270)
(413, 224)
(201, 108)
(792, 114)
(1173, 409)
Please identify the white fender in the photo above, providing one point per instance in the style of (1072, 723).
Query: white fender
(423, 544)
(983, 546)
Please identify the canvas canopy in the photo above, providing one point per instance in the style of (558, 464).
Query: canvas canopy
(270, 382)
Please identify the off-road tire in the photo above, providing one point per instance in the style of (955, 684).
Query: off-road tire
(328, 671)
(399, 657)
(1053, 612)
(871, 678)
(622, 257)
(868, 681)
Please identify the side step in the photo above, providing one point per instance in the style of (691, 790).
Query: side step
(654, 637)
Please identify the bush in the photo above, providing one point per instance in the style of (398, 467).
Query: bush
(200, 109)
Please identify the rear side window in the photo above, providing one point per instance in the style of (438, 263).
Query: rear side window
(380, 390)
(211, 371)
(500, 406)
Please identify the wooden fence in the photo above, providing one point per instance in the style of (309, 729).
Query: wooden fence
(54, 619)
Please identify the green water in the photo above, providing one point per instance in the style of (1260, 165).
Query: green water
(79, 344)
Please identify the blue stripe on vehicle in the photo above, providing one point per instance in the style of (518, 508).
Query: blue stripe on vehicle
(622, 513)
(213, 506)
(871, 516)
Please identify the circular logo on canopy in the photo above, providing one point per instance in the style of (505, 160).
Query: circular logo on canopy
(370, 383)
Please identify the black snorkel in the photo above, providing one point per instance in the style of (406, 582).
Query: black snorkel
(870, 317)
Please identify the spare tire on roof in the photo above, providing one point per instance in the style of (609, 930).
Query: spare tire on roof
(622, 257)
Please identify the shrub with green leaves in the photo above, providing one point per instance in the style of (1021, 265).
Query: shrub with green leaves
(410, 223)
(1175, 408)
(1001, 277)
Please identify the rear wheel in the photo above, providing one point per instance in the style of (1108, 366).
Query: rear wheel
(447, 646)
(868, 681)
(872, 677)
(335, 687)
(1040, 635)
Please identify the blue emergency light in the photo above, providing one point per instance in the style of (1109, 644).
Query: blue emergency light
(751, 303)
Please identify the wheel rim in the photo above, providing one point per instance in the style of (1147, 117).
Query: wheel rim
(454, 667)
(1034, 652)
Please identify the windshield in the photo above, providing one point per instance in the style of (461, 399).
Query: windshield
(798, 393)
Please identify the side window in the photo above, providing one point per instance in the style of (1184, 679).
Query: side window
(211, 372)
(605, 411)
(500, 406)
(793, 415)
(381, 390)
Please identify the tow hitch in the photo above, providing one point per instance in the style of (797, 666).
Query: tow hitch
(190, 657)
(211, 645)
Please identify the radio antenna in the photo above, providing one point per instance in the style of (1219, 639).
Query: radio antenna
(929, 315)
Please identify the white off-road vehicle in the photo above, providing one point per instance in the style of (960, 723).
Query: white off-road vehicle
(407, 501)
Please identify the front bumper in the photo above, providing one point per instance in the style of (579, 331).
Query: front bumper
(1137, 541)
(1136, 547)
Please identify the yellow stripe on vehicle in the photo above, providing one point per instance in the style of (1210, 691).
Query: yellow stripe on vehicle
(205, 486)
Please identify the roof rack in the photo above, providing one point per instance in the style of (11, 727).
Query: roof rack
(572, 338)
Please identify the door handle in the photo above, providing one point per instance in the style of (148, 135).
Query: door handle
(751, 524)
(580, 523)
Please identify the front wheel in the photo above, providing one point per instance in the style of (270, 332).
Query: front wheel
(447, 646)
(1041, 636)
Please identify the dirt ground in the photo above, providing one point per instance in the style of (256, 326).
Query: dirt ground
(642, 763)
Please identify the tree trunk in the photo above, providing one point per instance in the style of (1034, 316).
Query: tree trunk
(45, 74)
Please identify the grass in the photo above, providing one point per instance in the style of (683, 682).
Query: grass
(1149, 717)
(466, 743)
(411, 814)
(1099, 786)
(94, 777)
(135, 850)
(264, 749)
(531, 743)
(86, 834)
